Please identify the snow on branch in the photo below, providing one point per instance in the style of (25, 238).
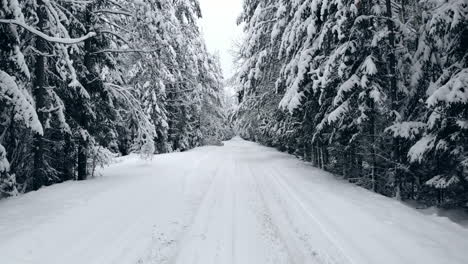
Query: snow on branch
(4, 164)
(114, 12)
(146, 132)
(338, 112)
(454, 91)
(77, 1)
(23, 109)
(115, 35)
(420, 148)
(442, 182)
(123, 51)
(408, 130)
(66, 41)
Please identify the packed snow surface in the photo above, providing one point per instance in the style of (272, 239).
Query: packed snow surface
(241, 203)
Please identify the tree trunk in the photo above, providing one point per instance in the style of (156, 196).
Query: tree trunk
(83, 122)
(68, 158)
(40, 96)
(322, 157)
(82, 160)
(394, 93)
(372, 141)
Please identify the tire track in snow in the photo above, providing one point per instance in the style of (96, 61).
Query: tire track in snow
(280, 219)
(307, 237)
(165, 244)
(185, 246)
(240, 204)
(233, 201)
(277, 246)
(337, 257)
(309, 193)
(266, 244)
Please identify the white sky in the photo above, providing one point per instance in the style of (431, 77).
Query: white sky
(220, 29)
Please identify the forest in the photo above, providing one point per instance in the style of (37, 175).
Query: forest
(373, 90)
(84, 81)
(337, 133)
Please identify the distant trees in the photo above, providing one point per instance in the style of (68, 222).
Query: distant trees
(81, 81)
(373, 90)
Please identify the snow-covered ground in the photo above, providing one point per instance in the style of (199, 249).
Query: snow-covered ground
(241, 203)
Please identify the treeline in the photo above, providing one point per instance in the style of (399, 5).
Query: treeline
(374, 90)
(83, 81)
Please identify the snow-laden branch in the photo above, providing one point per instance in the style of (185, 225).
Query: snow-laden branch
(259, 24)
(21, 102)
(123, 51)
(114, 12)
(115, 35)
(115, 25)
(77, 1)
(115, 3)
(66, 41)
(146, 132)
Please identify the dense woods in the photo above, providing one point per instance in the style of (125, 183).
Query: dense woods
(84, 81)
(373, 90)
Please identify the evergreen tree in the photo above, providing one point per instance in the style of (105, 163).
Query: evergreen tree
(372, 90)
(84, 81)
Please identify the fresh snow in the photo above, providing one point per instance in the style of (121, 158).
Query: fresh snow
(4, 164)
(454, 91)
(424, 145)
(21, 102)
(241, 203)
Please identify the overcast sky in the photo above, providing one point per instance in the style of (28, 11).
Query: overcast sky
(220, 29)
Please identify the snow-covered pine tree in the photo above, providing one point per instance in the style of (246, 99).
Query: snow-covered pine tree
(16, 110)
(214, 110)
(257, 113)
(361, 81)
(152, 71)
(186, 90)
(366, 100)
(440, 71)
(111, 116)
(183, 90)
(45, 34)
(108, 77)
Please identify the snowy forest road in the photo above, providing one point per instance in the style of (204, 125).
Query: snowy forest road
(237, 204)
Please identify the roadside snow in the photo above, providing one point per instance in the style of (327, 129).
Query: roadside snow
(241, 203)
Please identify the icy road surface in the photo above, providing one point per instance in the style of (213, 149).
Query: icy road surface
(237, 204)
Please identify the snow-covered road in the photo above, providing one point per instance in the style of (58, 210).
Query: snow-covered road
(237, 204)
